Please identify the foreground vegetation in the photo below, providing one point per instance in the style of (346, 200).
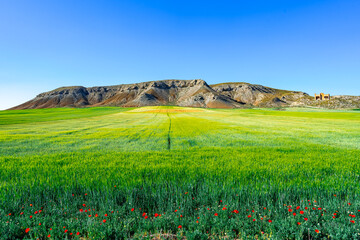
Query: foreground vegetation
(115, 173)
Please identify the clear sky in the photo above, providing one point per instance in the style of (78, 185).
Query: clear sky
(305, 45)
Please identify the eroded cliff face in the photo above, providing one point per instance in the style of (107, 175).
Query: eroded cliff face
(189, 93)
(258, 95)
(186, 93)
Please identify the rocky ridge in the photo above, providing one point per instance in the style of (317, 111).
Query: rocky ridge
(187, 93)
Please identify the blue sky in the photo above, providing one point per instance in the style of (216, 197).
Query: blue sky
(304, 45)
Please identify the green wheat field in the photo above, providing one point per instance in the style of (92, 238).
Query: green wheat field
(179, 173)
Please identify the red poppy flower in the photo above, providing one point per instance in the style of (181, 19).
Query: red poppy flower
(66, 230)
(290, 210)
(132, 209)
(84, 205)
(317, 231)
(179, 226)
(156, 215)
(236, 211)
(349, 203)
(35, 212)
(224, 208)
(270, 221)
(49, 235)
(30, 216)
(216, 214)
(298, 223)
(298, 207)
(143, 214)
(294, 214)
(305, 219)
(106, 215)
(146, 217)
(301, 212)
(21, 213)
(96, 215)
(89, 215)
(197, 221)
(333, 216)
(77, 233)
(306, 208)
(39, 224)
(27, 230)
(104, 221)
(249, 216)
(175, 210)
(181, 215)
(352, 221)
(254, 220)
(319, 208)
(81, 210)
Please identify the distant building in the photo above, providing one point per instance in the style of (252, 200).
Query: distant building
(322, 96)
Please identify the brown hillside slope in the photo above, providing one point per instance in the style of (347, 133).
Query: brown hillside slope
(186, 93)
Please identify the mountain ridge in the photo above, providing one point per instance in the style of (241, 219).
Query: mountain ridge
(186, 93)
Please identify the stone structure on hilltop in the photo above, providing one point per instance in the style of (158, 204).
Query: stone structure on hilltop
(322, 96)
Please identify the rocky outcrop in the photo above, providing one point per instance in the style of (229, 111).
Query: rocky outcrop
(258, 95)
(187, 93)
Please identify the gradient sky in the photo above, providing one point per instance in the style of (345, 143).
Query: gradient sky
(305, 45)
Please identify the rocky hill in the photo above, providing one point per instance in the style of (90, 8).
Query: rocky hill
(189, 93)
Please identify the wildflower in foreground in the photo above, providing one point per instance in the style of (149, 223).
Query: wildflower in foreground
(179, 226)
(216, 214)
(27, 230)
(317, 231)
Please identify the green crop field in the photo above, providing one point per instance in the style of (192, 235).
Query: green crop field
(172, 172)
